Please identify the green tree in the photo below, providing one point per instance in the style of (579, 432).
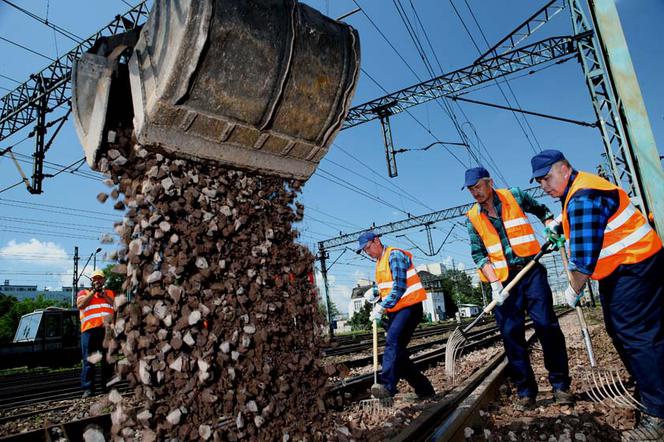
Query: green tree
(113, 280)
(360, 320)
(10, 318)
(460, 286)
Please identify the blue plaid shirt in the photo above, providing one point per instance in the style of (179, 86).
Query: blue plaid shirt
(399, 265)
(588, 212)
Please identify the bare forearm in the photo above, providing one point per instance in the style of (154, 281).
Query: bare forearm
(83, 300)
(489, 272)
(577, 280)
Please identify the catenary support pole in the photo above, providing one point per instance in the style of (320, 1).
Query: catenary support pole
(74, 285)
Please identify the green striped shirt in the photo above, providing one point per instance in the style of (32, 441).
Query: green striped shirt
(527, 204)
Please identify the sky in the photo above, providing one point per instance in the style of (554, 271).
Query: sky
(38, 233)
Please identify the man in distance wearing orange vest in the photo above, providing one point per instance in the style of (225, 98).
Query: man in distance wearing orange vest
(502, 241)
(612, 242)
(95, 305)
(400, 296)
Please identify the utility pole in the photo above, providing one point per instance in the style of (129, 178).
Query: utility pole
(641, 151)
(74, 286)
(322, 256)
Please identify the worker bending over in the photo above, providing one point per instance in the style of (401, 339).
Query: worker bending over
(612, 242)
(502, 241)
(400, 295)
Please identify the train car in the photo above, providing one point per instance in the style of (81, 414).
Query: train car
(49, 337)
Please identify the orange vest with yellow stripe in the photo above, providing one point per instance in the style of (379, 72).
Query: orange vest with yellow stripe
(93, 314)
(628, 238)
(519, 233)
(414, 291)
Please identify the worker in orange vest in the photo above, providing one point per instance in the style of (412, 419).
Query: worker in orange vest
(399, 295)
(611, 241)
(502, 241)
(95, 306)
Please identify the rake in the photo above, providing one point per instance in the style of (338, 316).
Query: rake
(459, 337)
(376, 405)
(602, 385)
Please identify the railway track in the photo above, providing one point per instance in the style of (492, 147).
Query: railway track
(443, 419)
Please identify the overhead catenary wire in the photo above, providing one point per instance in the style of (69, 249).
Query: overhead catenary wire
(51, 25)
(525, 133)
(32, 51)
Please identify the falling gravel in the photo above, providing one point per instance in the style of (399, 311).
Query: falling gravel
(219, 332)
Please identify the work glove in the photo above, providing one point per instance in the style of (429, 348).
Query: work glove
(377, 312)
(557, 240)
(572, 297)
(371, 296)
(497, 292)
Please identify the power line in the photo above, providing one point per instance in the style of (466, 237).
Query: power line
(10, 78)
(499, 87)
(391, 182)
(51, 25)
(26, 48)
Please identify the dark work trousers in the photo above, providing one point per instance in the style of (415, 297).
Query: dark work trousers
(532, 294)
(92, 340)
(633, 305)
(396, 360)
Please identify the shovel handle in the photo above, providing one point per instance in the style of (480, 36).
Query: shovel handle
(543, 250)
(374, 327)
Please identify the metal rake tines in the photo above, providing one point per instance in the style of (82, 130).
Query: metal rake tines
(606, 387)
(377, 406)
(453, 348)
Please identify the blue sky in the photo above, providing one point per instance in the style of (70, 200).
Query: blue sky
(38, 233)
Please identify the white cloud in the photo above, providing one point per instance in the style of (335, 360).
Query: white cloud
(339, 293)
(451, 263)
(35, 257)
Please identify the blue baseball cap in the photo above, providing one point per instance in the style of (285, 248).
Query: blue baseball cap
(364, 239)
(474, 175)
(543, 161)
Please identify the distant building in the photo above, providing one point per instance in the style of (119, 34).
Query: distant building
(434, 305)
(469, 310)
(20, 292)
(23, 292)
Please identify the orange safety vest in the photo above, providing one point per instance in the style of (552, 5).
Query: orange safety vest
(519, 233)
(414, 291)
(628, 238)
(93, 314)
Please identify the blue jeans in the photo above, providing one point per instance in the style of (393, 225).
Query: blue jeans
(396, 360)
(633, 305)
(533, 294)
(92, 340)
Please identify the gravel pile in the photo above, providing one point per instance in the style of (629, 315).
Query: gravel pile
(222, 337)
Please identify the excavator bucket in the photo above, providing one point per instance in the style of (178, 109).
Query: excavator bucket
(256, 84)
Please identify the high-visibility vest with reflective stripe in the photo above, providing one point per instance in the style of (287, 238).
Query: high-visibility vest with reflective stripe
(93, 314)
(628, 238)
(520, 233)
(414, 291)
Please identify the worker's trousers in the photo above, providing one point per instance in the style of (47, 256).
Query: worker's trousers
(396, 360)
(92, 341)
(532, 294)
(633, 305)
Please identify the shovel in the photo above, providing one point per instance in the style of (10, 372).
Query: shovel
(602, 385)
(459, 336)
(376, 405)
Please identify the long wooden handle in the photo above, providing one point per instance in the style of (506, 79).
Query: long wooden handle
(585, 334)
(375, 350)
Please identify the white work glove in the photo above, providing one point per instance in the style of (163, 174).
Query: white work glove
(377, 312)
(497, 292)
(572, 297)
(371, 296)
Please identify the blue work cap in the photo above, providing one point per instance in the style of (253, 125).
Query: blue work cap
(543, 161)
(474, 175)
(364, 239)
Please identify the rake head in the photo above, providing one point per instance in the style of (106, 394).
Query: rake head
(606, 387)
(453, 348)
(376, 406)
